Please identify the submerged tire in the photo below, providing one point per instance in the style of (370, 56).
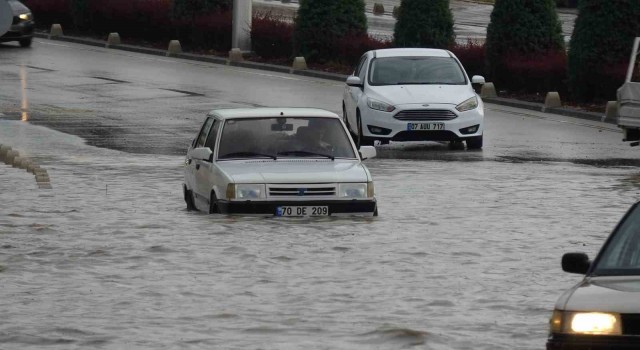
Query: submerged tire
(474, 142)
(213, 204)
(188, 198)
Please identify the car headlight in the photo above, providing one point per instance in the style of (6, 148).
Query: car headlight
(356, 190)
(595, 323)
(26, 16)
(246, 191)
(468, 105)
(379, 105)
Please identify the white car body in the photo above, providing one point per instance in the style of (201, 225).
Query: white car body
(266, 182)
(431, 107)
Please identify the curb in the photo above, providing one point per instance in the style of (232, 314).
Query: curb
(539, 107)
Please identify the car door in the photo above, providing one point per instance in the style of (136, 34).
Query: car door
(353, 93)
(206, 174)
(190, 164)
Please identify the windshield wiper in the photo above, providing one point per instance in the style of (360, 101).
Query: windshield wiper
(248, 155)
(306, 153)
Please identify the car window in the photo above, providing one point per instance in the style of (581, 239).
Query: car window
(296, 137)
(416, 70)
(359, 69)
(621, 255)
(213, 135)
(204, 132)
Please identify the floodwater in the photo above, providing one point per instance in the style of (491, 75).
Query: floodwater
(463, 255)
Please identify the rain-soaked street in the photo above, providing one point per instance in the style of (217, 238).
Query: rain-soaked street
(464, 255)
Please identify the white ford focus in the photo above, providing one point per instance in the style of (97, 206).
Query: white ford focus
(277, 161)
(413, 94)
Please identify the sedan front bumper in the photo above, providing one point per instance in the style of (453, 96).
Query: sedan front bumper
(592, 342)
(20, 31)
(344, 207)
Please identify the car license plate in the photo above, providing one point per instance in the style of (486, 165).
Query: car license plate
(425, 126)
(302, 211)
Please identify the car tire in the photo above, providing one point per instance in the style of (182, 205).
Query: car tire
(375, 211)
(474, 142)
(213, 204)
(362, 140)
(25, 42)
(188, 198)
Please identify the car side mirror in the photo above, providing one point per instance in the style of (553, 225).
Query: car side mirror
(576, 263)
(202, 153)
(478, 79)
(354, 81)
(367, 152)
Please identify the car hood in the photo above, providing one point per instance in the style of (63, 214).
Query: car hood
(604, 294)
(426, 94)
(295, 171)
(18, 8)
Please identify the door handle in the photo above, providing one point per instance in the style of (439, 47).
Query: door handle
(197, 166)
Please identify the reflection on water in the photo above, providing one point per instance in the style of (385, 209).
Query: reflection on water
(25, 100)
(463, 255)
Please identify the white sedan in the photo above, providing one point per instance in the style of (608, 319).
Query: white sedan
(413, 94)
(277, 161)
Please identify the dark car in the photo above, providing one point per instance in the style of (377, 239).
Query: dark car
(603, 310)
(22, 26)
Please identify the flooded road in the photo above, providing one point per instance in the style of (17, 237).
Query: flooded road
(463, 255)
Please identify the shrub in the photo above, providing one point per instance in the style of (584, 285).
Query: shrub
(190, 9)
(601, 46)
(271, 37)
(520, 28)
(538, 73)
(352, 47)
(47, 12)
(321, 23)
(424, 24)
(378, 9)
(471, 55)
(396, 11)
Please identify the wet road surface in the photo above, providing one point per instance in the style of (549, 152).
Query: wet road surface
(465, 253)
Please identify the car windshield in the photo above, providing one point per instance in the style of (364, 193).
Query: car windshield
(292, 137)
(621, 255)
(416, 70)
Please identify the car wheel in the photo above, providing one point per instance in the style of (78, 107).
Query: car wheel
(362, 140)
(213, 204)
(25, 42)
(375, 211)
(474, 142)
(188, 198)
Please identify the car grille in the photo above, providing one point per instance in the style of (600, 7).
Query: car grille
(630, 324)
(16, 20)
(301, 190)
(426, 114)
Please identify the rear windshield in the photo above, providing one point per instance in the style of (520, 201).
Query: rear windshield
(416, 70)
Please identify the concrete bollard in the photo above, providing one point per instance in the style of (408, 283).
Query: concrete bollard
(488, 90)
(174, 48)
(11, 155)
(235, 55)
(611, 112)
(113, 39)
(552, 100)
(3, 152)
(56, 30)
(16, 161)
(23, 163)
(299, 63)
(42, 178)
(39, 171)
(29, 167)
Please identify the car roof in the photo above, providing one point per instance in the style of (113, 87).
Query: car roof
(272, 112)
(411, 52)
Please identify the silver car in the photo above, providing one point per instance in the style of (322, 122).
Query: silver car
(22, 25)
(603, 310)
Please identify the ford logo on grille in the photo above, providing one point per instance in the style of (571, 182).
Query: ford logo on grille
(301, 191)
